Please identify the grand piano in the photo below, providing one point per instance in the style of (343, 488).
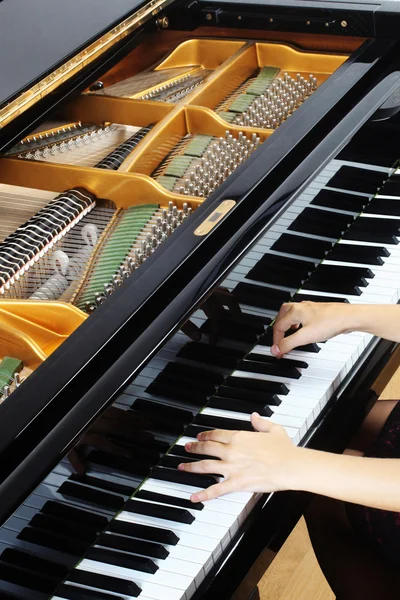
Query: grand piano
(171, 172)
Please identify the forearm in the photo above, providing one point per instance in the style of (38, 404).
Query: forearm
(372, 482)
(380, 320)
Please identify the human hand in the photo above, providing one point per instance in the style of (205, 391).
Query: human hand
(260, 461)
(320, 321)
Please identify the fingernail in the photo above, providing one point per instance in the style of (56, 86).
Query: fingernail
(188, 446)
(275, 349)
(181, 466)
(194, 498)
(255, 414)
(199, 436)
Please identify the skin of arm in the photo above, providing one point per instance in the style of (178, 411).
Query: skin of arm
(267, 461)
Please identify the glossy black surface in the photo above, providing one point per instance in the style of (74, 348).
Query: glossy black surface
(39, 39)
(158, 297)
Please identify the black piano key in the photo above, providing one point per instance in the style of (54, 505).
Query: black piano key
(160, 423)
(267, 340)
(138, 468)
(282, 277)
(344, 273)
(299, 364)
(27, 579)
(169, 513)
(182, 477)
(53, 540)
(192, 373)
(164, 387)
(105, 582)
(240, 406)
(383, 206)
(316, 298)
(357, 180)
(164, 498)
(30, 562)
(386, 225)
(121, 559)
(89, 495)
(105, 484)
(320, 222)
(213, 355)
(277, 370)
(340, 201)
(62, 527)
(239, 393)
(260, 296)
(377, 236)
(179, 451)
(358, 254)
(334, 287)
(144, 532)
(75, 515)
(149, 407)
(391, 187)
(244, 330)
(214, 422)
(72, 592)
(279, 270)
(172, 462)
(270, 387)
(302, 246)
(134, 546)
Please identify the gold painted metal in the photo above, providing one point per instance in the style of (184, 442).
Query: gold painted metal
(181, 121)
(92, 108)
(288, 59)
(125, 189)
(31, 330)
(205, 53)
(27, 99)
(216, 216)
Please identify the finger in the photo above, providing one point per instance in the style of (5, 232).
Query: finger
(260, 423)
(303, 336)
(208, 448)
(216, 435)
(283, 322)
(203, 466)
(214, 491)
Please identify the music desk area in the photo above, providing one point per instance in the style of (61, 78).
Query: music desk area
(171, 172)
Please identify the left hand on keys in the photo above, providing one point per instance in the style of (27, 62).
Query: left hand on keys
(255, 462)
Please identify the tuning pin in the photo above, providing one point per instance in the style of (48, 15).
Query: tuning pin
(6, 391)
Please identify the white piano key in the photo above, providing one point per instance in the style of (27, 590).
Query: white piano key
(154, 586)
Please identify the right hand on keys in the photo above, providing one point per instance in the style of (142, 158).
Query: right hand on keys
(314, 321)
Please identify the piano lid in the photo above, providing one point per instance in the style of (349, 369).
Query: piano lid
(44, 45)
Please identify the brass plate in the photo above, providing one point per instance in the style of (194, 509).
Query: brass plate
(216, 216)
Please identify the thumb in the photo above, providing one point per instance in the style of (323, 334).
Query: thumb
(301, 337)
(260, 423)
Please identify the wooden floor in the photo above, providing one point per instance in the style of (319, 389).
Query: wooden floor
(295, 574)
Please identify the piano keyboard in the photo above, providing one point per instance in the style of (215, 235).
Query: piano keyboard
(120, 524)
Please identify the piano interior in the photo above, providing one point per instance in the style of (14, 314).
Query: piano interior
(133, 157)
